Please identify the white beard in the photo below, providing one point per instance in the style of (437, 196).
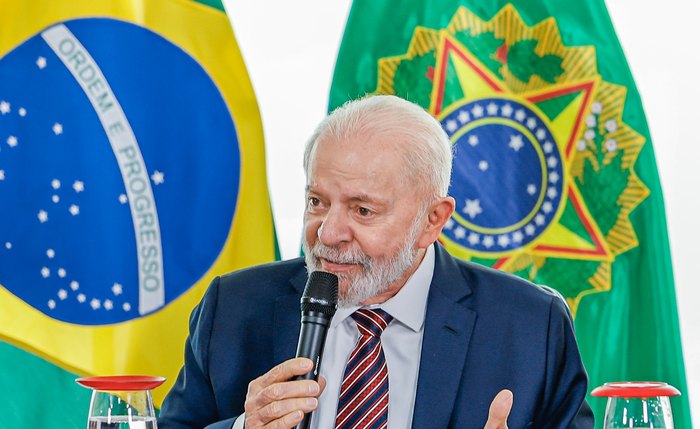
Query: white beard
(376, 275)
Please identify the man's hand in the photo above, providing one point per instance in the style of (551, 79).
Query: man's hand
(274, 402)
(499, 410)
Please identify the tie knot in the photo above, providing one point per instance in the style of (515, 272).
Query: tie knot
(371, 322)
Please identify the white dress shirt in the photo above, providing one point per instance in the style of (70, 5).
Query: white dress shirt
(401, 340)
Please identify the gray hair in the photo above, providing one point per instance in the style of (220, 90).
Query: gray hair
(427, 149)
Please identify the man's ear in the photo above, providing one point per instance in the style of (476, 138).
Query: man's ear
(439, 213)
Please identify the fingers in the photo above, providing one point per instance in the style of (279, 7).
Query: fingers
(275, 402)
(499, 410)
(285, 371)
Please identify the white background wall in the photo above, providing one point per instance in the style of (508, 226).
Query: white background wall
(290, 50)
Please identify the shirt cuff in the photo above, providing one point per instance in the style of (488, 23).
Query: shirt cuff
(240, 422)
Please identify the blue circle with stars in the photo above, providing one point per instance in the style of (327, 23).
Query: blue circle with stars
(508, 176)
(68, 240)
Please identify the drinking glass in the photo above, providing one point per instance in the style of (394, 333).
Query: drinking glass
(121, 401)
(643, 404)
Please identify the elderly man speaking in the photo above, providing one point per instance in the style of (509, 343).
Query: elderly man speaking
(448, 343)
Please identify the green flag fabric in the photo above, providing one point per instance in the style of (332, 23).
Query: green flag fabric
(554, 174)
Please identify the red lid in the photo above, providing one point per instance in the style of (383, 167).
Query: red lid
(121, 382)
(635, 389)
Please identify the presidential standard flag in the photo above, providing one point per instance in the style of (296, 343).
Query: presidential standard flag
(554, 174)
(131, 172)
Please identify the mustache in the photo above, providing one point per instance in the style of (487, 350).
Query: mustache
(338, 256)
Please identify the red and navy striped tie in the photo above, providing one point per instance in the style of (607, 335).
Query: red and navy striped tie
(364, 394)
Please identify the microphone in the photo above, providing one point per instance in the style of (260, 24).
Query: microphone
(318, 305)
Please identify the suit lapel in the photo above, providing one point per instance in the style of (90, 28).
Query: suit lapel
(448, 328)
(287, 319)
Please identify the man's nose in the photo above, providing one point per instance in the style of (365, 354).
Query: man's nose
(335, 228)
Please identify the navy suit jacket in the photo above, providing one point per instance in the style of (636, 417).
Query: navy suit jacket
(484, 331)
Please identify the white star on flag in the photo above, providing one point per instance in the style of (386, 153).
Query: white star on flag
(548, 147)
(474, 238)
(4, 107)
(43, 216)
(50, 253)
(520, 115)
(2, 174)
(518, 236)
(451, 125)
(460, 232)
(473, 140)
(158, 177)
(126, 306)
(516, 142)
(117, 289)
(62, 294)
(539, 219)
(41, 63)
(22, 112)
(12, 141)
(529, 229)
(463, 116)
(507, 110)
(472, 208)
(531, 123)
(123, 198)
(95, 303)
(108, 305)
(541, 134)
(553, 177)
(483, 165)
(450, 223)
(55, 198)
(503, 240)
(552, 192)
(74, 210)
(488, 241)
(61, 272)
(55, 183)
(51, 304)
(78, 186)
(45, 272)
(547, 207)
(74, 285)
(552, 162)
(531, 189)
(57, 128)
(478, 111)
(492, 108)
(8, 245)
(81, 298)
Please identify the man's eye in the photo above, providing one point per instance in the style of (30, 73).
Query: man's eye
(314, 202)
(364, 212)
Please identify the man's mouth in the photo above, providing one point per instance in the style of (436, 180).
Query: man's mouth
(336, 267)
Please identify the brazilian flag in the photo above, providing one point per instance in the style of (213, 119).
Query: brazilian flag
(554, 175)
(132, 171)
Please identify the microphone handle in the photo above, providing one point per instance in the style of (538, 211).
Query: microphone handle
(312, 338)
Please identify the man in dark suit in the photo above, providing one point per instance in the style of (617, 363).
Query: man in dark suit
(458, 345)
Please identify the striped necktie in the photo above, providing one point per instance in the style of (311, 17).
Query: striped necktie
(364, 394)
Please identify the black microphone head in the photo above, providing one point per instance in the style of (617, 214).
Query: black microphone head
(321, 293)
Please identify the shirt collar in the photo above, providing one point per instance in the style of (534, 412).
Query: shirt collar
(408, 305)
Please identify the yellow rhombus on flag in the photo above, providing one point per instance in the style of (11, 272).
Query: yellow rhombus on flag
(132, 171)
